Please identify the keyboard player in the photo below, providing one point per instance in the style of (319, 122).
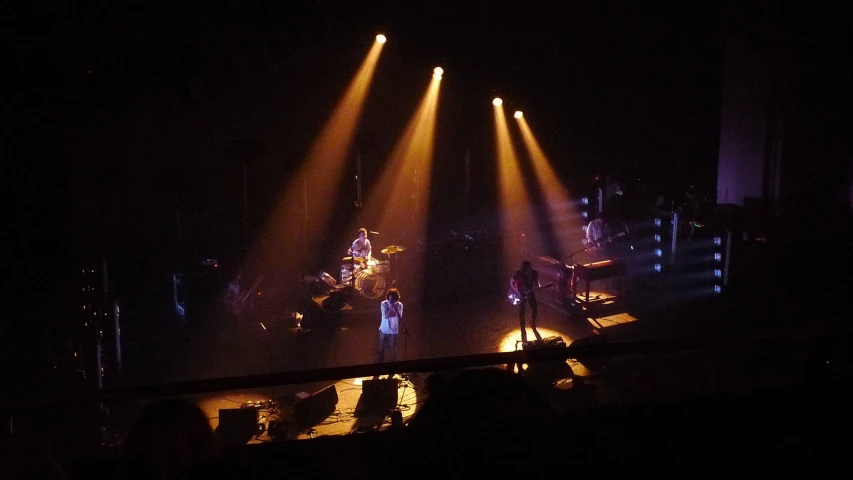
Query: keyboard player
(602, 237)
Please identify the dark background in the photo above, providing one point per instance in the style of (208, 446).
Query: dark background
(622, 88)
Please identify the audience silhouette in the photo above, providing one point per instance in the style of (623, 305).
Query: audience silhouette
(168, 438)
(480, 419)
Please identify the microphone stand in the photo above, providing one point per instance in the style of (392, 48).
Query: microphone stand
(269, 354)
(573, 287)
(405, 376)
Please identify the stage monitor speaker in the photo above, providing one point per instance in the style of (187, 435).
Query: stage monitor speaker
(237, 425)
(544, 344)
(377, 396)
(314, 409)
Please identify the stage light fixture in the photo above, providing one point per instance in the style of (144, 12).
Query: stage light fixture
(718, 273)
(497, 102)
(718, 257)
(657, 222)
(657, 238)
(717, 289)
(585, 214)
(381, 38)
(438, 72)
(718, 241)
(518, 114)
(658, 267)
(658, 252)
(585, 200)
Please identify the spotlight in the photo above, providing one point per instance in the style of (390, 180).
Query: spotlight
(718, 257)
(381, 38)
(718, 241)
(717, 289)
(658, 252)
(438, 72)
(657, 222)
(657, 267)
(585, 214)
(657, 238)
(518, 114)
(585, 200)
(718, 273)
(497, 102)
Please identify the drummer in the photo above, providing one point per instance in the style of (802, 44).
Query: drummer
(361, 248)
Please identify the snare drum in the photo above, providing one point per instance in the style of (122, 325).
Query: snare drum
(350, 261)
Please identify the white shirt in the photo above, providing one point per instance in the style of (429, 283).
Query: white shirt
(361, 248)
(391, 315)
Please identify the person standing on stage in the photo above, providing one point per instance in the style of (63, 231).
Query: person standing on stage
(524, 282)
(392, 314)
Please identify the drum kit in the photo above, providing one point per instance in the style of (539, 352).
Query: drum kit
(369, 276)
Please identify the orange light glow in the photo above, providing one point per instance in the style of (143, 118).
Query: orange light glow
(322, 169)
(497, 102)
(402, 190)
(562, 214)
(381, 38)
(515, 209)
(518, 114)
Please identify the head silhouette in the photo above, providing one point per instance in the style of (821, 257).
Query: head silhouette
(168, 437)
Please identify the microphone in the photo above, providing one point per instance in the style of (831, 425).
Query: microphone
(374, 233)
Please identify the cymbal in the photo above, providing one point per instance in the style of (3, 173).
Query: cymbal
(393, 249)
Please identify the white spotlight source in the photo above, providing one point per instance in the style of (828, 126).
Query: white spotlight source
(518, 114)
(718, 257)
(657, 222)
(718, 241)
(381, 38)
(658, 252)
(657, 267)
(717, 289)
(657, 238)
(497, 102)
(438, 72)
(718, 273)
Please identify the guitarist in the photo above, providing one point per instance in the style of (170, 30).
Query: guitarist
(236, 298)
(600, 234)
(233, 292)
(524, 282)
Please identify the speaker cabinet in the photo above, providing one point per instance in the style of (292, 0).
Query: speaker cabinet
(237, 425)
(314, 409)
(377, 396)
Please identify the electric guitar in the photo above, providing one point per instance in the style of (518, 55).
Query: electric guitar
(236, 306)
(603, 241)
(516, 297)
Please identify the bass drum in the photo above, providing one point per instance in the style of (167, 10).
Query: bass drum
(371, 284)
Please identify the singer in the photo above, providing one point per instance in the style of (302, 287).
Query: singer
(392, 314)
